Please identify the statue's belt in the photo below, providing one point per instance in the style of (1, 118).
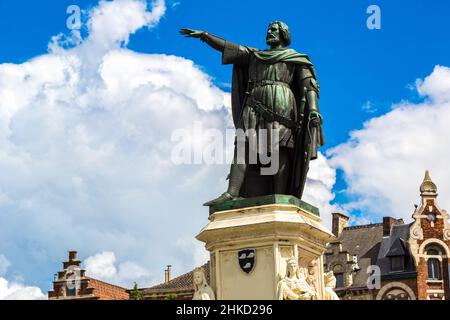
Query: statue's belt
(267, 114)
(252, 84)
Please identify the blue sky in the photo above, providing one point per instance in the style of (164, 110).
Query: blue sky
(374, 65)
(365, 75)
(354, 64)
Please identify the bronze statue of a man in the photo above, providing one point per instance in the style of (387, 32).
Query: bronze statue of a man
(275, 90)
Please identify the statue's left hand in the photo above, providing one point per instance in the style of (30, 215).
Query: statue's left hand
(315, 119)
(190, 33)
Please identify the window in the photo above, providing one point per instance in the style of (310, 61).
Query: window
(434, 265)
(338, 271)
(71, 291)
(434, 269)
(397, 263)
(339, 280)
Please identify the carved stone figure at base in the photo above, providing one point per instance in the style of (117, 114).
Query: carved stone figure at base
(330, 285)
(202, 290)
(294, 285)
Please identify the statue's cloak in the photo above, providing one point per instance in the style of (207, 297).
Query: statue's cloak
(306, 140)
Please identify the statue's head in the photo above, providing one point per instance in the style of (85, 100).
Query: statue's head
(278, 34)
(292, 267)
(199, 278)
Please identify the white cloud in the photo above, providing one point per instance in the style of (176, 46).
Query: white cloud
(16, 291)
(436, 85)
(318, 188)
(113, 22)
(85, 142)
(103, 266)
(85, 145)
(384, 162)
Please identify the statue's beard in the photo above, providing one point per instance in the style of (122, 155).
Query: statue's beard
(273, 41)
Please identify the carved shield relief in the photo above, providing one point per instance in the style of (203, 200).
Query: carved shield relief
(246, 258)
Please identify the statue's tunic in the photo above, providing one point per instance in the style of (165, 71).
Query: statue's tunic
(270, 91)
(270, 84)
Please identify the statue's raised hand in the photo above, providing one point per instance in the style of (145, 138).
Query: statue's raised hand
(190, 33)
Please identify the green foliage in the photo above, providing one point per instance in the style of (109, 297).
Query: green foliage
(171, 296)
(135, 293)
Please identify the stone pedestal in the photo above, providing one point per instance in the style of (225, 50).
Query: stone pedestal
(275, 228)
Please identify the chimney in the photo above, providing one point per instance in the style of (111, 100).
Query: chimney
(388, 222)
(340, 221)
(167, 273)
(72, 255)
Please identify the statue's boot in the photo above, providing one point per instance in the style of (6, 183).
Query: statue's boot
(237, 174)
(224, 197)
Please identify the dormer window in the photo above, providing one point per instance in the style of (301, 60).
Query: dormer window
(339, 280)
(397, 263)
(338, 271)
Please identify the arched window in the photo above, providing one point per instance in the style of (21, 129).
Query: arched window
(434, 265)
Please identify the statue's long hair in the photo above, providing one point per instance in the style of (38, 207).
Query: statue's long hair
(284, 32)
(204, 282)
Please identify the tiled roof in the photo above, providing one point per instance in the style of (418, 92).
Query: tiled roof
(394, 245)
(363, 241)
(364, 226)
(185, 282)
(107, 291)
(107, 283)
(372, 248)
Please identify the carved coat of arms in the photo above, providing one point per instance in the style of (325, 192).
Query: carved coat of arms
(246, 258)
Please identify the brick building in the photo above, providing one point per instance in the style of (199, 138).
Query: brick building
(72, 284)
(410, 259)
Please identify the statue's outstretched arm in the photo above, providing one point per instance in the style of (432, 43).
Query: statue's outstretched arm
(212, 40)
